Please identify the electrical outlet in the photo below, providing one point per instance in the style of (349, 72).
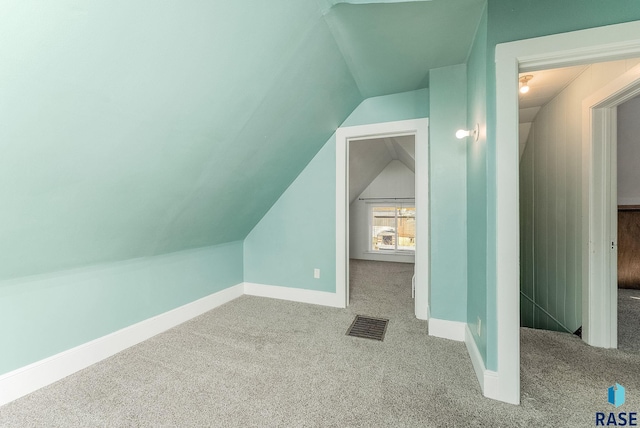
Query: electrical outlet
(479, 327)
(316, 273)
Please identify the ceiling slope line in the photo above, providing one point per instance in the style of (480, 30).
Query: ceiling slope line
(207, 173)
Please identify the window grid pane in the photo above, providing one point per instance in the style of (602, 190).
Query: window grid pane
(406, 228)
(393, 228)
(383, 228)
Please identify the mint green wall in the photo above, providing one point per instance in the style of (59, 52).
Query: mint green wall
(389, 108)
(298, 233)
(143, 128)
(511, 20)
(477, 194)
(330, 3)
(447, 197)
(43, 315)
(137, 129)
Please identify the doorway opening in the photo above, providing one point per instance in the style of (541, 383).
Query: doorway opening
(551, 234)
(382, 222)
(375, 235)
(382, 209)
(613, 42)
(549, 191)
(628, 201)
(600, 191)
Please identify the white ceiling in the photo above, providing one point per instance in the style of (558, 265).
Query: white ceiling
(544, 86)
(367, 159)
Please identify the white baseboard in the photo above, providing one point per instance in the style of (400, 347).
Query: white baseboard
(25, 380)
(293, 294)
(377, 257)
(453, 330)
(488, 379)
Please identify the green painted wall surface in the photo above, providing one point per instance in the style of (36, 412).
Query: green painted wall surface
(511, 20)
(477, 192)
(43, 315)
(330, 3)
(389, 108)
(138, 129)
(448, 190)
(298, 233)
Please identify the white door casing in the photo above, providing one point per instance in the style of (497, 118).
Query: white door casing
(599, 133)
(559, 50)
(419, 129)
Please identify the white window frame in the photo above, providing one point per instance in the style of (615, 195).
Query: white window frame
(383, 203)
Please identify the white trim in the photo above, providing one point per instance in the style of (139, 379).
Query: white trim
(410, 253)
(607, 43)
(578, 47)
(600, 207)
(420, 129)
(394, 258)
(488, 379)
(628, 201)
(452, 330)
(293, 294)
(25, 380)
(507, 235)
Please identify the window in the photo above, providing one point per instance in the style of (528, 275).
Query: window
(392, 227)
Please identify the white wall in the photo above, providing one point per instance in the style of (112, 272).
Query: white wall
(629, 152)
(551, 205)
(395, 181)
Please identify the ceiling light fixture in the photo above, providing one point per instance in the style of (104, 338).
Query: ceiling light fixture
(463, 133)
(524, 83)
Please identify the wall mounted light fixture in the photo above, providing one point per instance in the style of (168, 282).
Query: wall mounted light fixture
(463, 133)
(524, 83)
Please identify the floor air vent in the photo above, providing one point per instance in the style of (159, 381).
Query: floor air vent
(368, 328)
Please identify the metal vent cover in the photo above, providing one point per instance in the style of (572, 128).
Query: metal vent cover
(368, 327)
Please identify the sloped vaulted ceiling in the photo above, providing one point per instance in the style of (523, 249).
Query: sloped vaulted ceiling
(136, 128)
(391, 47)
